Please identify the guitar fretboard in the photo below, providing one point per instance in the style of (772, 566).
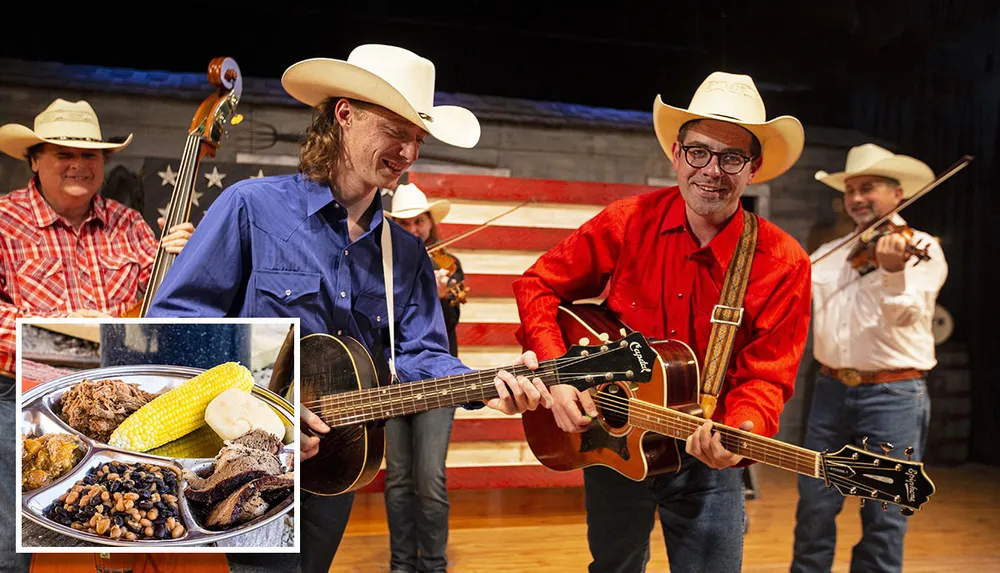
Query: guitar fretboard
(670, 422)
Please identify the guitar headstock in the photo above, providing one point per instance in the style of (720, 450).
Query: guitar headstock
(219, 109)
(860, 473)
(629, 358)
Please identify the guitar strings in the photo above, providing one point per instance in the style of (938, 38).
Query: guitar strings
(546, 369)
(729, 439)
(334, 417)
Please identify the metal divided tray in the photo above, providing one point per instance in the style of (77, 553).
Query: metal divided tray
(39, 415)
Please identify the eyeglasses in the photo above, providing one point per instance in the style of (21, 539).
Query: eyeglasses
(729, 161)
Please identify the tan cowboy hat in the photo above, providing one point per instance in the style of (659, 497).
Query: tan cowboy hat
(734, 98)
(394, 78)
(870, 159)
(71, 124)
(409, 201)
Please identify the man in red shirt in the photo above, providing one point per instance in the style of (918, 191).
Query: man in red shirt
(663, 256)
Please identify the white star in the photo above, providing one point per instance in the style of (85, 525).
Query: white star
(196, 195)
(215, 178)
(168, 176)
(260, 173)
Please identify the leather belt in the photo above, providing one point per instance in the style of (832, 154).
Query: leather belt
(852, 377)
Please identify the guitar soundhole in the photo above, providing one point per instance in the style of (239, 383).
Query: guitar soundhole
(613, 404)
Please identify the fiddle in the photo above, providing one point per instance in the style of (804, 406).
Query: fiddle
(442, 259)
(862, 255)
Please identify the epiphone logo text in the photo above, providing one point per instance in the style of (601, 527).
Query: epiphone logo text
(637, 350)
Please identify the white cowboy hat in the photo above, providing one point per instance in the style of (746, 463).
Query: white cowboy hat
(870, 159)
(734, 98)
(394, 78)
(71, 124)
(409, 201)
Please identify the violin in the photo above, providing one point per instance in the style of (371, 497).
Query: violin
(442, 259)
(862, 256)
(204, 136)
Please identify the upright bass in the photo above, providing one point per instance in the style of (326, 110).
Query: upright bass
(204, 138)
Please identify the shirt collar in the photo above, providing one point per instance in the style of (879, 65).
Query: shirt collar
(319, 196)
(722, 246)
(45, 215)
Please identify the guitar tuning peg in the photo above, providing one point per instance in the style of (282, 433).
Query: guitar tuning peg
(864, 443)
(885, 506)
(906, 511)
(909, 452)
(862, 502)
(886, 447)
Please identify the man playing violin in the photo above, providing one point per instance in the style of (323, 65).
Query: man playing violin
(872, 337)
(664, 256)
(65, 249)
(416, 492)
(310, 245)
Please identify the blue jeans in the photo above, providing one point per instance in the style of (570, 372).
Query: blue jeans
(10, 560)
(701, 512)
(416, 493)
(894, 412)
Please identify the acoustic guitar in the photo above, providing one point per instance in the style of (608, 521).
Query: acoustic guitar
(204, 137)
(339, 383)
(640, 429)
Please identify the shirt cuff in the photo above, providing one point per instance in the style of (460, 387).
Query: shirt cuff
(894, 283)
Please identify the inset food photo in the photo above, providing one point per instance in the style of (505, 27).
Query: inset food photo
(158, 433)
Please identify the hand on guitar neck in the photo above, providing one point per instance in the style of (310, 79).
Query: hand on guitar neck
(515, 395)
(707, 447)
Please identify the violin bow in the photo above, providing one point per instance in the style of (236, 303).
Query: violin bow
(958, 166)
(444, 244)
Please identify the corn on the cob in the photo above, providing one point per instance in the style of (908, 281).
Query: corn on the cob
(179, 411)
(201, 443)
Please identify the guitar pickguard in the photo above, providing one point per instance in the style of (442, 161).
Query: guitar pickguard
(596, 437)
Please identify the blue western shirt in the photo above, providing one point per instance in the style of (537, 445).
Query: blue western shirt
(279, 247)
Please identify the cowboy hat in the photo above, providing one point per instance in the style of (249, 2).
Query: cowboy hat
(734, 99)
(870, 159)
(394, 78)
(71, 124)
(409, 201)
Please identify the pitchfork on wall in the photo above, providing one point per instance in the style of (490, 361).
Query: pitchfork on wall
(262, 135)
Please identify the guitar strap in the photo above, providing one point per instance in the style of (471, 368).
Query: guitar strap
(387, 273)
(727, 315)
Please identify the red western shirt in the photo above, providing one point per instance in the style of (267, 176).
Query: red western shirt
(664, 285)
(48, 269)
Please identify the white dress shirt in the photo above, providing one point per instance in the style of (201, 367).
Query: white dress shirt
(880, 321)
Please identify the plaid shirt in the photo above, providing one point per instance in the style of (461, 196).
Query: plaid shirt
(48, 269)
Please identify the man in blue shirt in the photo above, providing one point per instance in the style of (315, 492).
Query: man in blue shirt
(309, 246)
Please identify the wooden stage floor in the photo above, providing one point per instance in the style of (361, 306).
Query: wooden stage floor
(544, 530)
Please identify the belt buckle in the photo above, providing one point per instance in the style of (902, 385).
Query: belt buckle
(850, 377)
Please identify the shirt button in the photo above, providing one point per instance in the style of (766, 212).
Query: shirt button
(342, 294)
(345, 253)
(378, 319)
(673, 332)
(679, 295)
(339, 332)
(633, 304)
(288, 293)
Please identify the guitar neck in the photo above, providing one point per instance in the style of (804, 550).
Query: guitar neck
(670, 422)
(414, 397)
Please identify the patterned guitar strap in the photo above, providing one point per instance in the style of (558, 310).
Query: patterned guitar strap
(727, 316)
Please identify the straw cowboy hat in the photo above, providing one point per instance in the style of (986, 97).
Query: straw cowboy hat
(870, 159)
(71, 124)
(734, 98)
(394, 78)
(409, 201)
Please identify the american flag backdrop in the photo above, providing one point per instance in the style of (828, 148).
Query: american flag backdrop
(488, 449)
